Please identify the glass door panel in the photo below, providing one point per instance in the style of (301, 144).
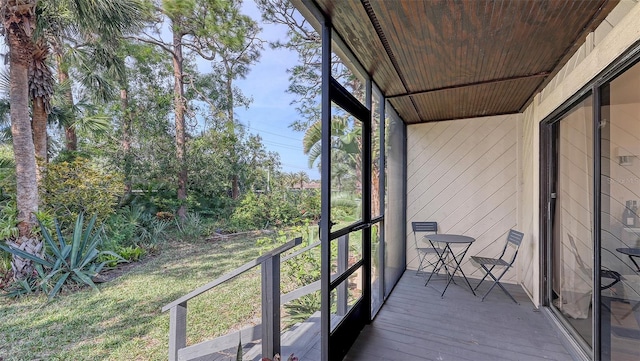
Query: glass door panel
(377, 182)
(349, 290)
(572, 239)
(346, 210)
(346, 169)
(620, 226)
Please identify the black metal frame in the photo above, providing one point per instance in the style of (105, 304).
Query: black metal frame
(549, 136)
(335, 343)
(381, 196)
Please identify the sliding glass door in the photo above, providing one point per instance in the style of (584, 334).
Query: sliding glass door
(620, 226)
(571, 248)
(591, 163)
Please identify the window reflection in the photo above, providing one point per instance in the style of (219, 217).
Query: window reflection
(572, 248)
(620, 235)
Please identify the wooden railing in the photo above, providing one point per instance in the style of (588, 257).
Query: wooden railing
(269, 330)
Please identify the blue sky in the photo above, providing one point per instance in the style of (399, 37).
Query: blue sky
(271, 112)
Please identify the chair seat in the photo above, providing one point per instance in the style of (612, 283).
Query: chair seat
(514, 238)
(491, 261)
(429, 250)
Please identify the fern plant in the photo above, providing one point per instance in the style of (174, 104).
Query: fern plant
(67, 262)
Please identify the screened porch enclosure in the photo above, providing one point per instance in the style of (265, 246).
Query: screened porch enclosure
(451, 127)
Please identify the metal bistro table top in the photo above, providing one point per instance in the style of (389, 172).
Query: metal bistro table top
(450, 238)
(629, 251)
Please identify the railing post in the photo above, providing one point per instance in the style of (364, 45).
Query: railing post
(177, 330)
(271, 306)
(343, 264)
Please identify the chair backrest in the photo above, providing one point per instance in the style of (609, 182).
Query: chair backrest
(515, 238)
(424, 226)
(431, 227)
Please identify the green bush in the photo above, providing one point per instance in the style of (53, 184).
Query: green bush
(130, 254)
(134, 226)
(192, 228)
(72, 188)
(9, 221)
(258, 211)
(5, 262)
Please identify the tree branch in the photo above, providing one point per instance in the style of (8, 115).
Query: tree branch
(155, 42)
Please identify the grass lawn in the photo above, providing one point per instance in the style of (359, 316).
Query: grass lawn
(123, 321)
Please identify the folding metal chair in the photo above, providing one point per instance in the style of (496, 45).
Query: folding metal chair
(514, 238)
(427, 248)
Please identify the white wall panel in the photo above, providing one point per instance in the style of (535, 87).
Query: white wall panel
(463, 174)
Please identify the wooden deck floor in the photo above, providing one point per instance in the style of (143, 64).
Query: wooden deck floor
(417, 324)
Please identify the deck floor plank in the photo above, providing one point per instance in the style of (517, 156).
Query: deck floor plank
(415, 323)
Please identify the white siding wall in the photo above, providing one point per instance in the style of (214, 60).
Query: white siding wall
(463, 174)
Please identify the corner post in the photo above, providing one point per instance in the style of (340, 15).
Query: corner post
(271, 306)
(177, 330)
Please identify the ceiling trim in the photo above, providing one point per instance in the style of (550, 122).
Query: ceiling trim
(485, 82)
(385, 43)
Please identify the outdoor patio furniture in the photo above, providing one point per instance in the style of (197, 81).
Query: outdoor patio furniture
(427, 250)
(447, 258)
(514, 239)
(632, 253)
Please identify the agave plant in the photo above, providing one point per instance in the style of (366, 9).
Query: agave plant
(74, 261)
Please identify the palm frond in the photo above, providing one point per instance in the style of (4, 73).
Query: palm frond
(96, 124)
(312, 136)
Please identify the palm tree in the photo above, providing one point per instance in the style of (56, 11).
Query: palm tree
(301, 177)
(86, 35)
(41, 86)
(27, 26)
(346, 154)
(18, 23)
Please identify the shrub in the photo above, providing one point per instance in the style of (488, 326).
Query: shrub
(130, 254)
(258, 211)
(191, 228)
(9, 221)
(72, 188)
(133, 226)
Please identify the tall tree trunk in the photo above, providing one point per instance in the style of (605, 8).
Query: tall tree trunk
(71, 139)
(235, 183)
(40, 92)
(39, 125)
(17, 24)
(126, 140)
(180, 122)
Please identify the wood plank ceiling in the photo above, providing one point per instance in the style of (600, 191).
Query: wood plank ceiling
(444, 59)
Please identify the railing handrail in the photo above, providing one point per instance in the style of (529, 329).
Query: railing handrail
(300, 251)
(236, 272)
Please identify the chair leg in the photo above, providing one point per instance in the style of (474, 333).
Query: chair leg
(496, 281)
(436, 268)
(486, 273)
(420, 267)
